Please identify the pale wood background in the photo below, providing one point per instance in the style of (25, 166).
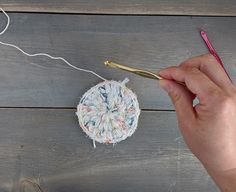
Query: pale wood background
(39, 134)
(154, 7)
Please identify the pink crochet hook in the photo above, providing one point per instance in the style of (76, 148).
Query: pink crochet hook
(212, 50)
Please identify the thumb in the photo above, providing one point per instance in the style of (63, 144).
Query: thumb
(181, 98)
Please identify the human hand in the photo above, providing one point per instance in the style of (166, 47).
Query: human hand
(208, 128)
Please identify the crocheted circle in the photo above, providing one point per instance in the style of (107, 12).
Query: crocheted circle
(108, 112)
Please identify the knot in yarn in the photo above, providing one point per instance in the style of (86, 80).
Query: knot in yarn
(108, 112)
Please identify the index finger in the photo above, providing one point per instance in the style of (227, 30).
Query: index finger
(210, 66)
(196, 81)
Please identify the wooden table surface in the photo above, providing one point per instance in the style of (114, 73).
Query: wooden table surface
(40, 138)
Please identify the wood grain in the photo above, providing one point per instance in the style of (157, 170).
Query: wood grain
(150, 7)
(87, 41)
(48, 146)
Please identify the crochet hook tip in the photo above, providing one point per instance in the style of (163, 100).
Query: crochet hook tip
(107, 62)
(201, 31)
(111, 64)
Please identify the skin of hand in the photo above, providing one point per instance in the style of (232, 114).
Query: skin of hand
(209, 127)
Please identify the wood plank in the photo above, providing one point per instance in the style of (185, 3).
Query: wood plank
(48, 145)
(149, 42)
(150, 7)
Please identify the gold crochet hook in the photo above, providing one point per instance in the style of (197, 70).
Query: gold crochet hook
(136, 71)
(141, 72)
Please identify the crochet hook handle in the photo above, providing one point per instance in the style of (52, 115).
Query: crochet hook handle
(140, 72)
(212, 50)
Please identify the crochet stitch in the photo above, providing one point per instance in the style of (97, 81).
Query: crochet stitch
(108, 112)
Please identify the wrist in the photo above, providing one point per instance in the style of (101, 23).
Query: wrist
(226, 180)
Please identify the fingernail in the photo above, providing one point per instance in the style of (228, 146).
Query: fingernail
(164, 85)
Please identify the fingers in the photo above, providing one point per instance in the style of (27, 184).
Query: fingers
(182, 100)
(209, 65)
(202, 86)
(196, 81)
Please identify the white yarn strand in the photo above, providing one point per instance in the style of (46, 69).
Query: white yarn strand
(42, 54)
(8, 21)
(108, 112)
